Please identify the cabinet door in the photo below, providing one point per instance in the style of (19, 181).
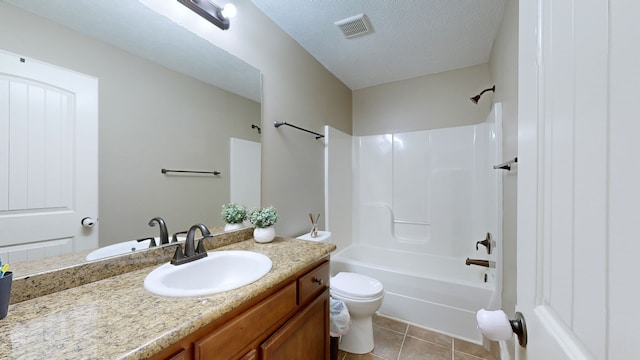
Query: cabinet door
(251, 355)
(229, 340)
(305, 336)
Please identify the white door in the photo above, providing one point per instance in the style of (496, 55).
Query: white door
(48, 159)
(579, 179)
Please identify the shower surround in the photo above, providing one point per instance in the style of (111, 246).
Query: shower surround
(421, 202)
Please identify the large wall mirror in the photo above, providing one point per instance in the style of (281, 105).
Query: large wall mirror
(167, 99)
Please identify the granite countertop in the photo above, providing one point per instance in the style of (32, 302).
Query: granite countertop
(30, 267)
(116, 318)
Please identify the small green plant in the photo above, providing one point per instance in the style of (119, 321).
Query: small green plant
(234, 213)
(264, 217)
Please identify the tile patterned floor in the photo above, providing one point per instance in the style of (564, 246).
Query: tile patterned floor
(396, 340)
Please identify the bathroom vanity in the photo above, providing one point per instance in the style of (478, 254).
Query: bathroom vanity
(285, 314)
(292, 322)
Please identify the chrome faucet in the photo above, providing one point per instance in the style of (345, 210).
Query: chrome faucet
(191, 251)
(485, 263)
(164, 235)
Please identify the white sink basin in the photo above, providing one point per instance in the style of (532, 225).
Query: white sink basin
(121, 248)
(220, 271)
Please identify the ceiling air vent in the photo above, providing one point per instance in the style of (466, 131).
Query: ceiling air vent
(354, 26)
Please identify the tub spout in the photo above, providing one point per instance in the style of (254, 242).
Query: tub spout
(485, 263)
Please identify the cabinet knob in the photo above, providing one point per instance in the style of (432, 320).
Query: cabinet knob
(317, 281)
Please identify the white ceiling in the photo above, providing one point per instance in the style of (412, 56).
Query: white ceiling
(133, 27)
(410, 38)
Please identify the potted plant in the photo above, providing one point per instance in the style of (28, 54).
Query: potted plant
(263, 219)
(233, 215)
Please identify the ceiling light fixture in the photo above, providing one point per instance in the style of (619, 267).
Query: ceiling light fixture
(212, 12)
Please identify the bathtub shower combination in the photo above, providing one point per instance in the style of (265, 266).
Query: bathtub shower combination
(422, 202)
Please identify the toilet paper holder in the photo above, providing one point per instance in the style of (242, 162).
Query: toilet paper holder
(496, 326)
(88, 222)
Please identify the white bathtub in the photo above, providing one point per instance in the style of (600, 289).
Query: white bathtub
(434, 292)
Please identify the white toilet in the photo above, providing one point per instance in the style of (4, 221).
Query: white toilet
(363, 297)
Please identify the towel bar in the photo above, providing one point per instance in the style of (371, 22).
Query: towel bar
(165, 171)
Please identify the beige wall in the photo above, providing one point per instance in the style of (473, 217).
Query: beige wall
(503, 68)
(296, 89)
(299, 90)
(149, 118)
(427, 102)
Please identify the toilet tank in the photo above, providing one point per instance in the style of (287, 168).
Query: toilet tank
(323, 236)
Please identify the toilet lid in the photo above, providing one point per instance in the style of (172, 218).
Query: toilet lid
(355, 286)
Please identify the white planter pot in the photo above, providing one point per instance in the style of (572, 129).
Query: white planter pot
(232, 227)
(264, 235)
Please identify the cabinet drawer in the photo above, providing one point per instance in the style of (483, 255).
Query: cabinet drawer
(180, 355)
(231, 338)
(313, 282)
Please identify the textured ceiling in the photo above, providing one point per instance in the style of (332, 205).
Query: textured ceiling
(410, 38)
(133, 27)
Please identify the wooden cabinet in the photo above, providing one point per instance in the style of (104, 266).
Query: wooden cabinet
(251, 355)
(291, 322)
(313, 282)
(180, 355)
(230, 339)
(304, 336)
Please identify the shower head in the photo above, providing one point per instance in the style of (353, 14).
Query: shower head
(278, 123)
(476, 98)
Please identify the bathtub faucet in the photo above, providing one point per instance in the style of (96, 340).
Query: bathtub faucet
(485, 263)
(486, 243)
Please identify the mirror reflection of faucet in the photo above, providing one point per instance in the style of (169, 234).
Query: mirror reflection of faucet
(164, 234)
(138, 244)
(152, 242)
(175, 238)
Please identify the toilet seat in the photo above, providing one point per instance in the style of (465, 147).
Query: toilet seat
(355, 286)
